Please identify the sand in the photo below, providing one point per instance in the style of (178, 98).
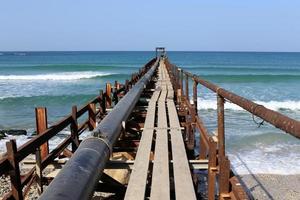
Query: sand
(260, 186)
(272, 186)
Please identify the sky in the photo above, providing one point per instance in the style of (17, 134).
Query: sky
(195, 25)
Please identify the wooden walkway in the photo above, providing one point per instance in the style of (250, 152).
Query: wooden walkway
(162, 109)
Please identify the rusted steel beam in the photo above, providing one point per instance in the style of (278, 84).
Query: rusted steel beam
(224, 175)
(221, 125)
(195, 96)
(81, 173)
(237, 189)
(212, 169)
(277, 119)
(187, 88)
(204, 138)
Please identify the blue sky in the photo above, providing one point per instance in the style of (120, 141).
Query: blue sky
(211, 25)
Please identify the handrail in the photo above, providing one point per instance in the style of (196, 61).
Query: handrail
(275, 118)
(32, 145)
(83, 170)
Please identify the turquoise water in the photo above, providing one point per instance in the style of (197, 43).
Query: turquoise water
(58, 80)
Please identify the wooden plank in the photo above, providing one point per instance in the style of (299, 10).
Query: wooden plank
(184, 188)
(138, 178)
(160, 177)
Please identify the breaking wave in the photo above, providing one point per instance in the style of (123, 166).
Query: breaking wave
(56, 76)
(273, 105)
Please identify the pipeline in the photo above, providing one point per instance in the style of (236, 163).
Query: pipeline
(82, 172)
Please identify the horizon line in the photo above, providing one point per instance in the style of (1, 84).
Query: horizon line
(204, 51)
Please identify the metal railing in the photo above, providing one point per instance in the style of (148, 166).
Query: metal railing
(213, 146)
(38, 145)
(83, 171)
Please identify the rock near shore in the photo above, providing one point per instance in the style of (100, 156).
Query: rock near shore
(5, 132)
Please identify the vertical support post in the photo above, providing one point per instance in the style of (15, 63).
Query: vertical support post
(103, 102)
(202, 150)
(41, 126)
(181, 81)
(177, 78)
(195, 96)
(133, 78)
(187, 87)
(39, 170)
(74, 129)
(212, 169)
(116, 99)
(92, 116)
(108, 95)
(14, 173)
(224, 176)
(221, 127)
(126, 86)
(41, 152)
(191, 136)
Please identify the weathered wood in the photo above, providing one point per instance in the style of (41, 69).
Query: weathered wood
(212, 169)
(138, 178)
(224, 175)
(92, 116)
(41, 127)
(39, 170)
(14, 173)
(108, 95)
(195, 96)
(221, 126)
(187, 88)
(160, 177)
(42, 151)
(74, 129)
(184, 188)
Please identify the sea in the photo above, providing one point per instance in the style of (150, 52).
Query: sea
(58, 80)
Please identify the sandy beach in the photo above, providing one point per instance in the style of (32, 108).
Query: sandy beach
(272, 186)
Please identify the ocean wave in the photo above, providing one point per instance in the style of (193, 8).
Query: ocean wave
(261, 159)
(56, 76)
(273, 105)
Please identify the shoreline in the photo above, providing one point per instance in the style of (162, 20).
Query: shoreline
(272, 186)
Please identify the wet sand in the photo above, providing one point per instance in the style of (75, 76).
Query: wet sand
(272, 186)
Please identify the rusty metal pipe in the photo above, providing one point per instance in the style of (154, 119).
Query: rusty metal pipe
(82, 172)
(277, 119)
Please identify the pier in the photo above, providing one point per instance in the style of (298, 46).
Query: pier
(142, 143)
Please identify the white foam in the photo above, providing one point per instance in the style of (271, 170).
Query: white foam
(273, 105)
(56, 76)
(20, 139)
(267, 160)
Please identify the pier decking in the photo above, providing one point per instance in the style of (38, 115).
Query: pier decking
(167, 125)
(142, 143)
